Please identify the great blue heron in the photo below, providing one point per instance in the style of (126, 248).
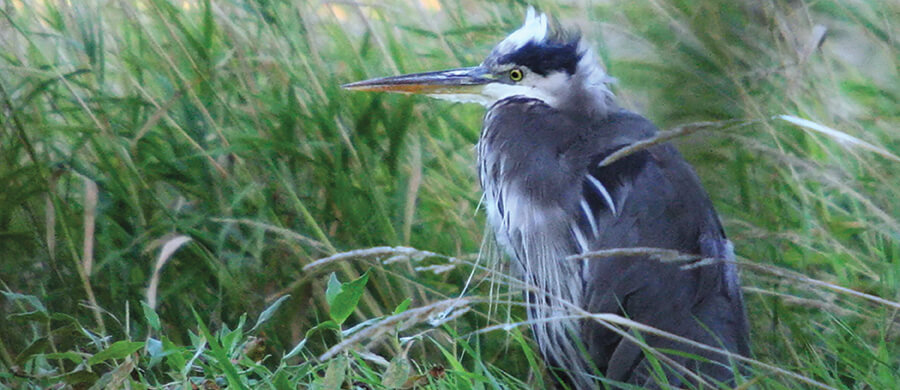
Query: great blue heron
(551, 120)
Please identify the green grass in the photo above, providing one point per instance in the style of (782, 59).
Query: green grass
(126, 125)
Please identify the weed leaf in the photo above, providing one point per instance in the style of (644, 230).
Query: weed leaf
(118, 350)
(267, 314)
(344, 301)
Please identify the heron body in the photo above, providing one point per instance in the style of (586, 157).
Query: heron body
(566, 204)
(551, 120)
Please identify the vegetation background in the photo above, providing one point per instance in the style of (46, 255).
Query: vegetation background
(172, 170)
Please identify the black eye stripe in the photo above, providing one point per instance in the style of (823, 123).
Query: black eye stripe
(544, 58)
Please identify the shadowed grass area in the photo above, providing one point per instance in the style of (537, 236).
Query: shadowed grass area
(168, 166)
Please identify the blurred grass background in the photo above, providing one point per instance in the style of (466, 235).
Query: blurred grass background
(190, 158)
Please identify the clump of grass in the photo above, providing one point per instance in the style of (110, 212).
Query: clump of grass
(129, 125)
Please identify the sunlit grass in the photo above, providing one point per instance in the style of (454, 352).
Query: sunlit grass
(130, 126)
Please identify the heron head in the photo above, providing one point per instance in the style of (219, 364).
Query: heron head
(534, 61)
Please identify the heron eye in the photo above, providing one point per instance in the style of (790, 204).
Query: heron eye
(515, 74)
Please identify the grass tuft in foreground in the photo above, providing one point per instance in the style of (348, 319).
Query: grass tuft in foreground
(172, 169)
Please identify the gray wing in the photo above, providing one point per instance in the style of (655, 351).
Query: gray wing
(653, 198)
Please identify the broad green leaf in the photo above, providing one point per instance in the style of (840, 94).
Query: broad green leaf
(334, 287)
(231, 339)
(324, 325)
(280, 379)
(335, 374)
(118, 350)
(116, 378)
(71, 356)
(63, 317)
(397, 373)
(79, 377)
(344, 302)
(31, 316)
(156, 350)
(151, 316)
(402, 306)
(36, 347)
(31, 299)
(175, 360)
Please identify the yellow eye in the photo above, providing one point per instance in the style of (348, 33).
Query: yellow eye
(515, 74)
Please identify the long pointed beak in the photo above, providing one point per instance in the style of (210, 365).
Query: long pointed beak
(453, 81)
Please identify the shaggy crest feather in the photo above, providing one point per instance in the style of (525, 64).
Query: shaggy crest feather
(534, 29)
